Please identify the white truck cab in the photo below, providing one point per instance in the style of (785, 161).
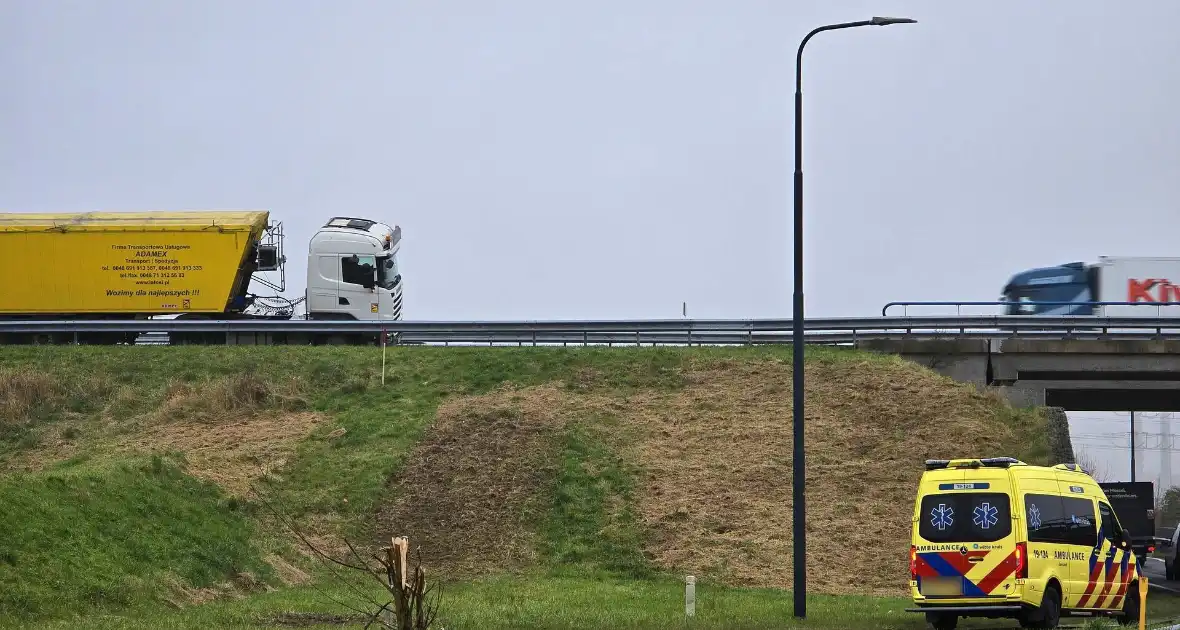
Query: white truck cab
(352, 271)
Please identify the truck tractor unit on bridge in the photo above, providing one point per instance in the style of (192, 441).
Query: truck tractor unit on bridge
(1113, 287)
(190, 265)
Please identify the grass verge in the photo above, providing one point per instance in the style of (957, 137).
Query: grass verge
(558, 603)
(107, 538)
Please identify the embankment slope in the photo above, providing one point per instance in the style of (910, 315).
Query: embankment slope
(625, 461)
(710, 470)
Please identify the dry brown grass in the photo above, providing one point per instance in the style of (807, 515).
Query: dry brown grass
(288, 574)
(715, 496)
(231, 453)
(471, 490)
(28, 394)
(181, 594)
(232, 429)
(21, 390)
(718, 494)
(217, 399)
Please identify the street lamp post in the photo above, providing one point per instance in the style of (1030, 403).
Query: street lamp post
(799, 512)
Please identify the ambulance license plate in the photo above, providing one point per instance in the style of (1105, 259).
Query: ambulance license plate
(942, 586)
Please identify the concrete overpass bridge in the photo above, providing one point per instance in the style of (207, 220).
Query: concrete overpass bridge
(1074, 374)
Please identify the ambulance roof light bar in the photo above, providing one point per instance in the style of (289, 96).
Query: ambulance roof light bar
(988, 462)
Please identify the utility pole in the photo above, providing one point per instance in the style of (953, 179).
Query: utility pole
(1132, 446)
(1165, 452)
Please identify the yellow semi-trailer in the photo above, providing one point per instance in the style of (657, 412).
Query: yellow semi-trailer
(132, 264)
(188, 264)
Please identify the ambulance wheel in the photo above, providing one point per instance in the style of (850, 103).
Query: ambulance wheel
(1049, 613)
(941, 621)
(1131, 607)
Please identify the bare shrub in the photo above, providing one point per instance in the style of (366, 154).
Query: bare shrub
(1091, 465)
(22, 390)
(225, 396)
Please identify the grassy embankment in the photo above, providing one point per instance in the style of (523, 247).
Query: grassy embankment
(549, 487)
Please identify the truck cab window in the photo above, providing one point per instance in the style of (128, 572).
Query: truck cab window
(387, 272)
(357, 269)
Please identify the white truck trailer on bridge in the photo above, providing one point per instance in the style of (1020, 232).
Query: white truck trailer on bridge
(1145, 287)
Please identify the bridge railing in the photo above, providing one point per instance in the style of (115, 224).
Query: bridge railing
(964, 309)
(645, 332)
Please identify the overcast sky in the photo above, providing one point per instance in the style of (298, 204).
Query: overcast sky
(615, 158)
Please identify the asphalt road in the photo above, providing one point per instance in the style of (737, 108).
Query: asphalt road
(1154, 569)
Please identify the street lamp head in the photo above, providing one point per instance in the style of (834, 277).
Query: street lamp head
(886, 21)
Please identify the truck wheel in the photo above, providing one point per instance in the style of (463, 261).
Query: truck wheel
(1170, 569)
(941, 621)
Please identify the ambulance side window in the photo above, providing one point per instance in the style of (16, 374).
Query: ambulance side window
(1078, 517)
(1045, 519)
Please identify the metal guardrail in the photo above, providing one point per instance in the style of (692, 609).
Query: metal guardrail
(981, 322)
(643, 332)
(959, 305)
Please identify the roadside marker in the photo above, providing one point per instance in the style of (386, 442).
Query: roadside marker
(1142, 602)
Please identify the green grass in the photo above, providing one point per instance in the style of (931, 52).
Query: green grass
(555, 603)
(565, 603)
(593, 523)
(102, 538)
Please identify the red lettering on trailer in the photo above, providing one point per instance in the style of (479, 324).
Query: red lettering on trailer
(1152, 290)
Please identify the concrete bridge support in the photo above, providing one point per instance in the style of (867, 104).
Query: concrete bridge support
(1092, 375)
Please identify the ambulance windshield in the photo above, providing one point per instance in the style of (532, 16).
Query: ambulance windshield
(965, 517)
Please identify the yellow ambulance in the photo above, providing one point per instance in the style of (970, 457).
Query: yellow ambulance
(996, 538)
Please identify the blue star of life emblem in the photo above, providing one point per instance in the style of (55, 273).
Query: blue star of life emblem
(942, 517)
(1034, 516)
(985, 515)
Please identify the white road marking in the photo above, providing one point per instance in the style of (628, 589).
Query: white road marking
(1151, 585)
